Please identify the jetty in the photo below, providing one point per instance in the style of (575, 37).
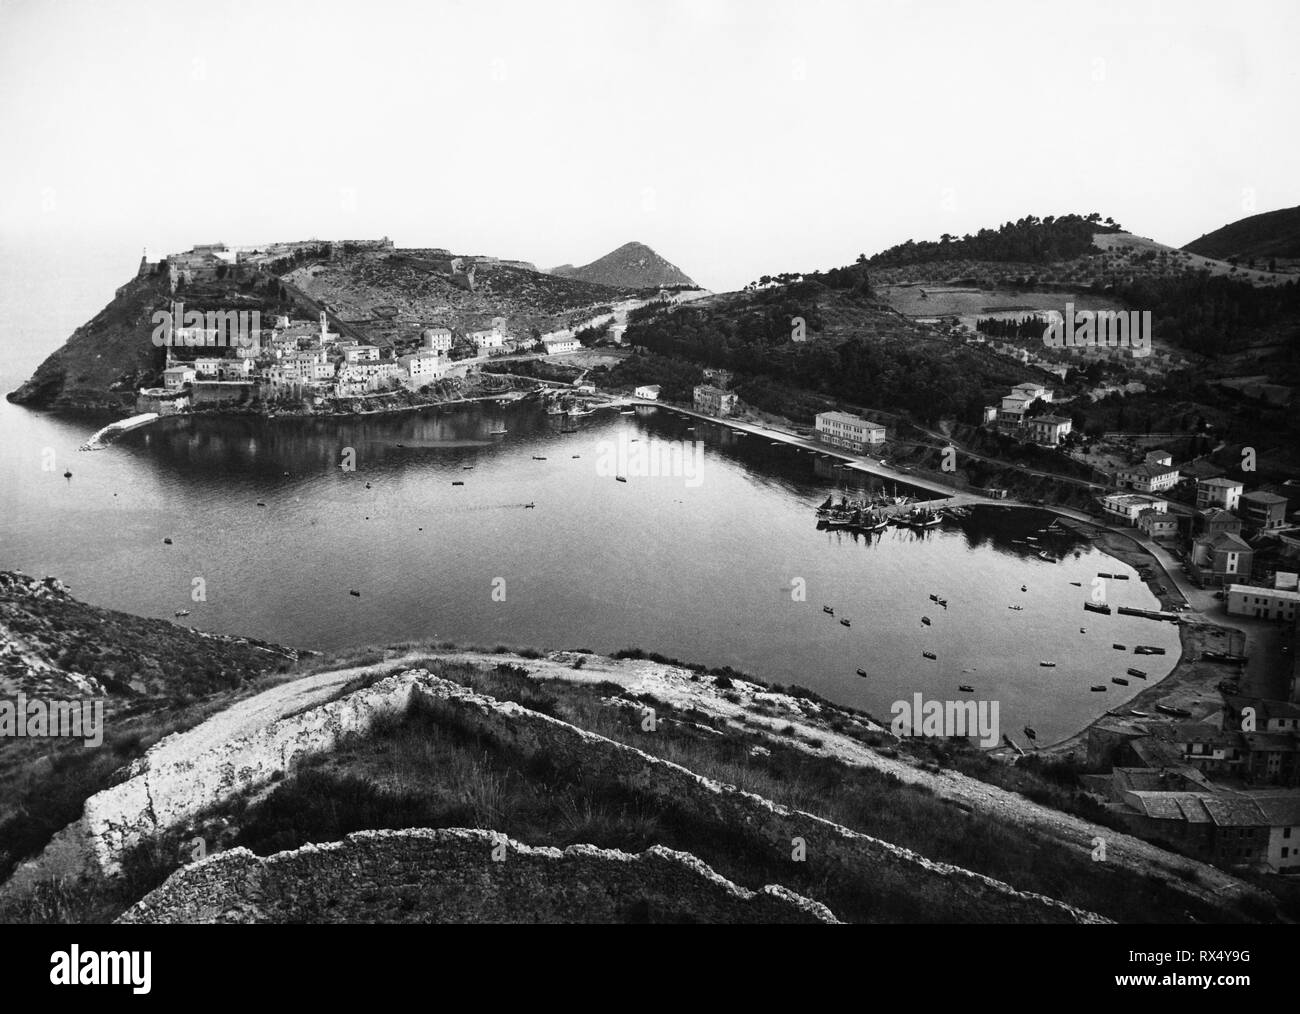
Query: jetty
(1150, 614)
(116, 429)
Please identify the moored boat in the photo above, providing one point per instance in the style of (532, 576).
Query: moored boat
(1098, 688)
(1120, 680)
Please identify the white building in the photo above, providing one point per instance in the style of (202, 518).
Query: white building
(1048, 429)
(487, 341)
(843, 429)
(176, 377)
(1218, 492)
(424, 366)
(1262, 603)
(1147, 477)
(1130, 506)
(437, 339)
(554, 346)
(648, 391)
(208, 367)
(369, 374)
(361, 354)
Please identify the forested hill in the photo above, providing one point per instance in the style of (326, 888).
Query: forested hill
(1031, 240)
(856, 352)
(1272, 234)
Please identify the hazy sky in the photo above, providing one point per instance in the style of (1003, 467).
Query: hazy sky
(736, 138)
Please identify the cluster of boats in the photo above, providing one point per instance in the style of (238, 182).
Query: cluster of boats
(874, 515)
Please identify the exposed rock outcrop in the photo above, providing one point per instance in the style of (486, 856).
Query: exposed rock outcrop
(170, 787)
(461, 875)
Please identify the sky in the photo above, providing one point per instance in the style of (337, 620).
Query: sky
(735, 137)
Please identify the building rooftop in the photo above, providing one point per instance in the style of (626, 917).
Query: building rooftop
(1147, 468)
(1050, 420)
(850, 418)
(1263, 497)
(1277, 594)
(1225, 540)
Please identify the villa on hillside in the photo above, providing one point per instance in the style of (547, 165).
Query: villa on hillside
(1218, 492)
(1147, 477)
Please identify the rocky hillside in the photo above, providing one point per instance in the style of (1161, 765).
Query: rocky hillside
(633, 265)
(381, 295)
(1259, 237)
(52, 644)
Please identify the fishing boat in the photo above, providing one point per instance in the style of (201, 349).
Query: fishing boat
(1024, 587)
(965, 688)
(1097, 607)
(68, 474)
(1083, 630)
(1016, 608)
(1048, 558)
(1138, 673)
(539, 457)
(1120, 577)
(1048, 665)
(458, 483)
(844, 623)
(620, 478)
(1098, 688)
(1120, 680)
(1165, 709)
(826, 506)
(930, 654)
(1101, 573)
(942, 602)
(1029, 732)
(495, 433)
(934, 598)
(1147, 649)
(182, 612)
(828, 609)
(925, 620)
(1077, 584)
(1119, 647)
(527, 505)
(862, 672)
(354, 593)
(1140, 714)
(167, 541)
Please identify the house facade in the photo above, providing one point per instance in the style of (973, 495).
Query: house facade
(852, 432)
(1264, 510)
(1218, 492)
(714, 401)
(1128, 507)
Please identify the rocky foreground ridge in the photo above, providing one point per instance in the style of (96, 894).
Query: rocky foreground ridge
(243, 752)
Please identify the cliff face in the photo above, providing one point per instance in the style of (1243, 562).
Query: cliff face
(107, 358)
